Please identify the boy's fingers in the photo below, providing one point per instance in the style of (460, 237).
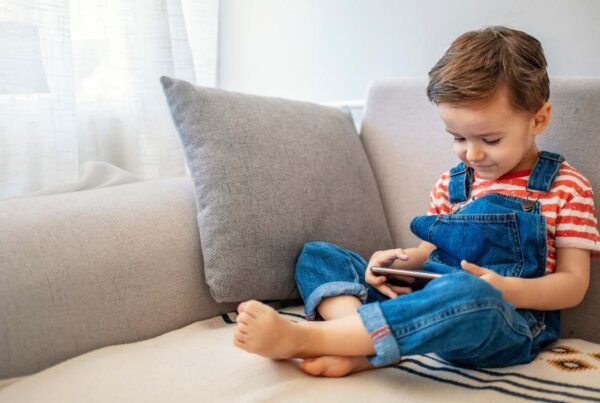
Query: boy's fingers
(378, 281)
(391, 294)
(472, 268)
(391, 256)
(400, 254)
(406, 279)
(385, 290)
(401, 290)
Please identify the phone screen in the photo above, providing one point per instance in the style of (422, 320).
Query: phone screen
(420, 279)
(418, 284)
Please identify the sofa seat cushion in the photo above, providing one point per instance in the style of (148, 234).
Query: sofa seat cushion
(200, 363)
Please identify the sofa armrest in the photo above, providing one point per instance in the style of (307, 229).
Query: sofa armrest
(84, 270)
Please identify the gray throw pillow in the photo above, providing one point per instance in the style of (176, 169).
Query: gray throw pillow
(271, 174)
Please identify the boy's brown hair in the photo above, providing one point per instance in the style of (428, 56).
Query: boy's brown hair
(479, 63)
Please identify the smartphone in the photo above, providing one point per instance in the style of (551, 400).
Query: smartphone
(421, 277)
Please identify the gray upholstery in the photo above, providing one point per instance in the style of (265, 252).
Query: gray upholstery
(84, 270)
(94, 268)
(270, 175)
(409, 149)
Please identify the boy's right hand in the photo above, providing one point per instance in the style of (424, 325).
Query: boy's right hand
(385, 258)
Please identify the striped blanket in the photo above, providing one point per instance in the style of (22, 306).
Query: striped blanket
(568, 370)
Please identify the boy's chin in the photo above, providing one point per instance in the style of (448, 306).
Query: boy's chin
(489, 175)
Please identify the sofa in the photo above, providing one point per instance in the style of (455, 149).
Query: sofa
(103, 295)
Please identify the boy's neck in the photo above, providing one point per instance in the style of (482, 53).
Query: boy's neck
(528, 160)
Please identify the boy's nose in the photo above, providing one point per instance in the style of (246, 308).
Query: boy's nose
(474, 154)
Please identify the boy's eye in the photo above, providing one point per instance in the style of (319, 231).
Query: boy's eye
(490, 142)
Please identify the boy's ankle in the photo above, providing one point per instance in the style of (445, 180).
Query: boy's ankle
(309, 338)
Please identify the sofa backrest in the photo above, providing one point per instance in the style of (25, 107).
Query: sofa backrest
(88, 269)
(408, 149)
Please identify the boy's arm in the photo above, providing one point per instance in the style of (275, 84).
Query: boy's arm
(563, 289)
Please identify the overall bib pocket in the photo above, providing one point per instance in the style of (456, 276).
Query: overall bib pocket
(460, 236)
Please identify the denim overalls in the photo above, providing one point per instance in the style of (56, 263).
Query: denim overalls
(458, 316)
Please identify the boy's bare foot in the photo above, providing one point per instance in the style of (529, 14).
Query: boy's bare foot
(260, 329)
(335, 366)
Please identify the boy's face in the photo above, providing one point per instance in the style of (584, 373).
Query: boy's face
(493, 137)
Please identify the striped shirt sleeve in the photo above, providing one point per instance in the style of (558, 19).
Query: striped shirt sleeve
(438, 197)
(576, 224)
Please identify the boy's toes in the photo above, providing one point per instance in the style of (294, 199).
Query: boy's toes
(256, 308)
(241, 325)
(240, 335)
(250, 305)
(239, 342)
(240, 307)
(244, 320)
(312, 366)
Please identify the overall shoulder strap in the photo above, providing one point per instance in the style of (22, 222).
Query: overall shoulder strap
(544, 171)
(459, 187)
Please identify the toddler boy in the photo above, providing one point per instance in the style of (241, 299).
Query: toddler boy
(511, 228)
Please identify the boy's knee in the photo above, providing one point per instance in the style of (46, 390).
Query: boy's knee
(469, 286)
(481, 288)
(491, 338)
(316, 249)
(319, 256)
(318, 246)
(310, 251)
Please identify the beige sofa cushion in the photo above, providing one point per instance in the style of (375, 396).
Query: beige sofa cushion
(199, 363)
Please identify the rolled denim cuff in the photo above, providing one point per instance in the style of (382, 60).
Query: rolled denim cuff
(332, 289)
(386, 347)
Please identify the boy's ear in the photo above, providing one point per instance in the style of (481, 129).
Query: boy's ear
(541, 119)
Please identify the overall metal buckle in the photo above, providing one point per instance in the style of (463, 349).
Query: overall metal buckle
(528, 204)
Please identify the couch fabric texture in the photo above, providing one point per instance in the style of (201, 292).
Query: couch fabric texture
(123, 264)
(83, 270)
(270, 175)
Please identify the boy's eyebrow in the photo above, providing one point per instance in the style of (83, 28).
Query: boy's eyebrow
(477, 135)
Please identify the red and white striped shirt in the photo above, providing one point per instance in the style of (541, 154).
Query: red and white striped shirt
(568, 207)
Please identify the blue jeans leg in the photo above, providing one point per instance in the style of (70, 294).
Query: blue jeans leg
(459, 316)
(325, 270)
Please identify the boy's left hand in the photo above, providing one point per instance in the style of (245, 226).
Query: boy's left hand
(488, 275)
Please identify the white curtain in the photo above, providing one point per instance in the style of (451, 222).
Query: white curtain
(103, 104)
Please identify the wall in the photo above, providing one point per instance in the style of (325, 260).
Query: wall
(329, 50)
